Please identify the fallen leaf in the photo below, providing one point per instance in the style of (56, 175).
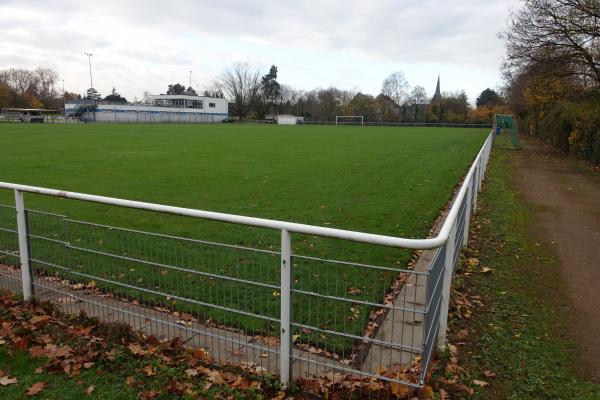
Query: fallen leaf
(480, 383)
(35, 388)
(400, 390)
(149, 370)
(486, 270)
(5, 381)
(472, 262)
(64, 351)
(428, 391)
(353, 291)
(39, 320)
(215, 377)
(148, 395)
(443, 395)
(89, 390)
(489, 373)
(452, 349)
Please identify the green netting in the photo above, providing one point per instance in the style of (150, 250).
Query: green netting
(508, 123)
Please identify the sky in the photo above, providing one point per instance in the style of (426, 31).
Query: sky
(141, 46)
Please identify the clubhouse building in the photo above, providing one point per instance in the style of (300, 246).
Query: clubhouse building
(158, 109)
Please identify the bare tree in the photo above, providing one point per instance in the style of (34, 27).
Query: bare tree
(20, 81)
(27, 87)
(396, 87)
(556, 37)
(287, 96)
(417, 97)
(214, 90)
(45, 80)
(241, 84)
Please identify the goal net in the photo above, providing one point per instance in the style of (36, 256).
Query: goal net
(507, 123)
(349, 120)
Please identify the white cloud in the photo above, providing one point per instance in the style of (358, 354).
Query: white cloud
(144, 45)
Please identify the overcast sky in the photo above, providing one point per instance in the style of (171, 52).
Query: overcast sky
(143, 46)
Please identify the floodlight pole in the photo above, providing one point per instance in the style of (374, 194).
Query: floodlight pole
(190, 79)
(90, 62)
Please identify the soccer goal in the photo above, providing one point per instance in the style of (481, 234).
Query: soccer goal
(507, 122)
(349, 120)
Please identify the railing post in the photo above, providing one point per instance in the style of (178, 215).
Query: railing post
(286, 308)
(481, 172)
(468, 199)
(26, 277)
(474, 190)
(445, 302)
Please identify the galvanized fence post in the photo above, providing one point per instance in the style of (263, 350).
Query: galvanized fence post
(286, 308)
(474, 190)
(468, 199)
(26, 277)
(445, 303)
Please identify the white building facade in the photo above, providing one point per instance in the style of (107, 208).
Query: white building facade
(158, 109)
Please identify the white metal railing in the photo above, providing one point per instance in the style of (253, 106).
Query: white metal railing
(451, 237)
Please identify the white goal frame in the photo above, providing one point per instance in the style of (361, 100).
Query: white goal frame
(362, 118)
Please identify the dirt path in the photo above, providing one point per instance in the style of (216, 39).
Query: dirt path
(566, 216)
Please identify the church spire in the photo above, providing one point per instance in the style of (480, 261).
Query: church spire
(437, 89)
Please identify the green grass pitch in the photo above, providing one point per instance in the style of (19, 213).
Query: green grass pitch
(391, 181)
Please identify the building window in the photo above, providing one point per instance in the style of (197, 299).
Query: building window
(212, 105)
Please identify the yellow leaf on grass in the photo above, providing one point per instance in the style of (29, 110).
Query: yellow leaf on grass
(480, 383)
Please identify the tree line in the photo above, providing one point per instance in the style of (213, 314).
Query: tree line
(256, 95)
(24, 88)
(552, 73)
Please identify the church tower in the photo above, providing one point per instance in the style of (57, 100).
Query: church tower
(436, 102)
(438, 93)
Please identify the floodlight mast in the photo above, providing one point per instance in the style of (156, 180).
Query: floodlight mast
(90, 62)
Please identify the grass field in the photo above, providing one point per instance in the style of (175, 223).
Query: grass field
(391, 181)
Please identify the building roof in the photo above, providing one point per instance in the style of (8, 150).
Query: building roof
(29, 110)
(180, 97)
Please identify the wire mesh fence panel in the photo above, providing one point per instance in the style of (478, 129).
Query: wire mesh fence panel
(433, 306)
(346, 326)
(212, 295)
(9, 250)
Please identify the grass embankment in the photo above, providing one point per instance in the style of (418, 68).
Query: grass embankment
(391, 181)
(510, 323)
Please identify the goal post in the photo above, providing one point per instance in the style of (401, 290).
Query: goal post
(509, 123)
(353, 120)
